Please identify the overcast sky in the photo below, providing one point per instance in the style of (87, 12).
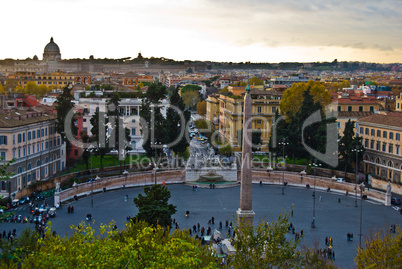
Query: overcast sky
(217, 30)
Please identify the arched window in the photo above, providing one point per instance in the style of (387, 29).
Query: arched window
(29, 166)
(390, 164)
(38, 163)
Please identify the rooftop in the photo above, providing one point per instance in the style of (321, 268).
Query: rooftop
(392, 119)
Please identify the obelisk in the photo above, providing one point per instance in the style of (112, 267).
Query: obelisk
(245, 213)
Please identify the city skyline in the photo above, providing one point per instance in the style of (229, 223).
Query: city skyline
(206, 30)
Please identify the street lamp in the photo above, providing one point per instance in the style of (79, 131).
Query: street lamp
(125, 173)
(357, 150)
(155, 164)
(361, 214)
(283, 143)
(315, 165)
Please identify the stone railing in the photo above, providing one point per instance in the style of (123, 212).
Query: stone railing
(115, 182)
(293, 178)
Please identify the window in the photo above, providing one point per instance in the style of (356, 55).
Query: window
(133, 120)
(23, 137)
(360, 109)
(391, 135)
(339, 125)
(384, 134)
(366, 131)
(390, 148)
(43, 132)
(3, 155)
(84, 120)
(3, 140)
(37, 147)
(378, 146)
(29, 150)
(29, 136)
(397, 150)
(259, 109)
(38, 163)
(19, 153)
(372, 132)
(349, 108)
(14, 152)
(76, 152)
(378, 133)
(366, 143)
(371, 109)
(13, 139)
(33, 149)
(258, 121)
(361, 130)
(46, 145)
(384, 147)
(24, 151)
(33, 134)
(339, 108)
(133, 131)
(274, 109)
(19, 138)
(38, 133)
(397, 137)
(372, 144)
(51, 144)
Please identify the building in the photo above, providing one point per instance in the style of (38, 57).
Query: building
(56, 79)
(129, 109)
(265, 103)
(29, 136)
(382, 142)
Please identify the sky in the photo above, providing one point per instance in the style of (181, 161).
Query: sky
(207, 30)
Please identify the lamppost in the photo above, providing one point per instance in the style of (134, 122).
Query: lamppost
(283, 143)
(361, 214)
(92, 194)
(315, 165)
(357, 150)
(155, 164)
(125, 173)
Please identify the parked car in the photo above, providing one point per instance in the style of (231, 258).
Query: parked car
(52, 212)
(395, 201)
(23, 200)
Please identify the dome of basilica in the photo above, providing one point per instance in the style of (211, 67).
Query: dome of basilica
(52, 47)
(52, 51)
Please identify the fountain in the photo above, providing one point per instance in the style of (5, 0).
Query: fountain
(211, 176)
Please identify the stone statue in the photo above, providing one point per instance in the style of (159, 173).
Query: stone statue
(57, 186)
(389, 188)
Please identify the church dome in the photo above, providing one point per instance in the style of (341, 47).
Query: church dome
(52, 47)
(52, 52)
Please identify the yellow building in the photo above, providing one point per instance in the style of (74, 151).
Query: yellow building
(382, 142)
(398, 103)
(56, 79)
(227, 112)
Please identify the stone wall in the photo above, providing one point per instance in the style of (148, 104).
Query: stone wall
(294, 178)
(382, 185)
(132, 179)
(228, 174)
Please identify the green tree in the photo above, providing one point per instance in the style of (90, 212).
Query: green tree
(191, 98)
(190, 87)
(381, 250)
(173, 123)
(98, 130)
(202, 108)
(256, 139)
(151, 104)
(348, 144)
(64, 105)
(153, 207)
(136, 246)
(293, 97)
(255, 81)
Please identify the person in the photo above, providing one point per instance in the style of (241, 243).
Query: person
(69, 209)
(220, 225)
(229, 232)
(194, 228)
(213, 219)
(89, 216)
(301, 233)
(198, 226)
(126, 198)
(260, 183)
(187, 213)
(326, 240)
(226, 223)
(320, 199)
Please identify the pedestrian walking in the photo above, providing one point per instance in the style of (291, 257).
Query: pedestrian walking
(291, 212)
(301, 232)
(326, 241)
(226, 224)
(194, 228)
(229, 231)
(198, 226)
(220, 224)
(213, 220)
(260, 183)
